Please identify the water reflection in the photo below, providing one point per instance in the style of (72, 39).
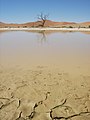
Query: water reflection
(43, 36)
(62, 48)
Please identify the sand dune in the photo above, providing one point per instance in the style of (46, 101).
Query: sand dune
(48, 23)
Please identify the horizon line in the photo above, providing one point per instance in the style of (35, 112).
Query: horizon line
(40, 20)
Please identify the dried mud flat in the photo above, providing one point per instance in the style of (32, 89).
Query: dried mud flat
(43, 94)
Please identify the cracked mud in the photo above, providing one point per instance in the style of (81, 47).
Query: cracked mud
(43, 94)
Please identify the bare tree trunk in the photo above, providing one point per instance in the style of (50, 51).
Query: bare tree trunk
(43, 19)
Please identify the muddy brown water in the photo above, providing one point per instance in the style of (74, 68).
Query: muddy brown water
(63, 49)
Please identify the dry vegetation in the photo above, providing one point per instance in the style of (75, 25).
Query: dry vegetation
(46, 23)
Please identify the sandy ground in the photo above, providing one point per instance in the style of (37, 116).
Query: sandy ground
(43, 93)
(60, 29)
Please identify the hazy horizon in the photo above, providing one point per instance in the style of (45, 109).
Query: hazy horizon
(22, 11)
(37, 20)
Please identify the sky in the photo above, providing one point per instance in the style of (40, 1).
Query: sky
(21, 11)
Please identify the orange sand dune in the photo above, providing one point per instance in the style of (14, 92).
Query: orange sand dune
(48, 23)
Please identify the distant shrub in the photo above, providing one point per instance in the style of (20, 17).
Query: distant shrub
(89, 26)
(24, 26)
(70, 27)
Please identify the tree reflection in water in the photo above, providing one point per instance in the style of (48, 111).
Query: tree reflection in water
(42, 36)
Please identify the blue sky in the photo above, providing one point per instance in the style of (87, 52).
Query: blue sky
(21, 11)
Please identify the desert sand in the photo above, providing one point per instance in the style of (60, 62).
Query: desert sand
(44, 93)
(48, 23)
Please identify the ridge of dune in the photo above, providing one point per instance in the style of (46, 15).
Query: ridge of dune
(48, 23)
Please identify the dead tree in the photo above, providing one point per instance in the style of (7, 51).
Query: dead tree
(42, 17)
